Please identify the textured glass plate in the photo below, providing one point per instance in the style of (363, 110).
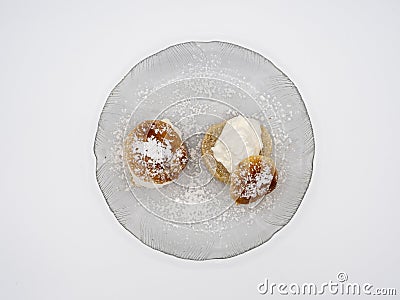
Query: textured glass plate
(195, 85)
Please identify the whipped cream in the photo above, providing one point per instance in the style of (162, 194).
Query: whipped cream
(149, 184)
(240, 138)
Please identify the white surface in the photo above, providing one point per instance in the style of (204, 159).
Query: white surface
(60, 61)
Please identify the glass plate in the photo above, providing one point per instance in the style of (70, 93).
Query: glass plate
(195, 85)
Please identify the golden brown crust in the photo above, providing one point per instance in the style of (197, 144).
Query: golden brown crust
(267, 142)
(255, 177)
(210, 138)
(214, 167)
(154, 152)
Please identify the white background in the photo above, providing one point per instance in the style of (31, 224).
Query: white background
(60, 60)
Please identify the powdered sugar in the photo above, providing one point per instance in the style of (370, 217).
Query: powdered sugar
(156, 151)
(257, 184)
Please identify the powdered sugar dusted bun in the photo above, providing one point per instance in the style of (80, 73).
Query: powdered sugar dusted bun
(154, 153)
(253, 178)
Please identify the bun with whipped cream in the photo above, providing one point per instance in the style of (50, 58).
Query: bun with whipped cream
(229, 144)
(214, 166)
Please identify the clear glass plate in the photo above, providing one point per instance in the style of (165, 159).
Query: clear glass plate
(195, 85)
